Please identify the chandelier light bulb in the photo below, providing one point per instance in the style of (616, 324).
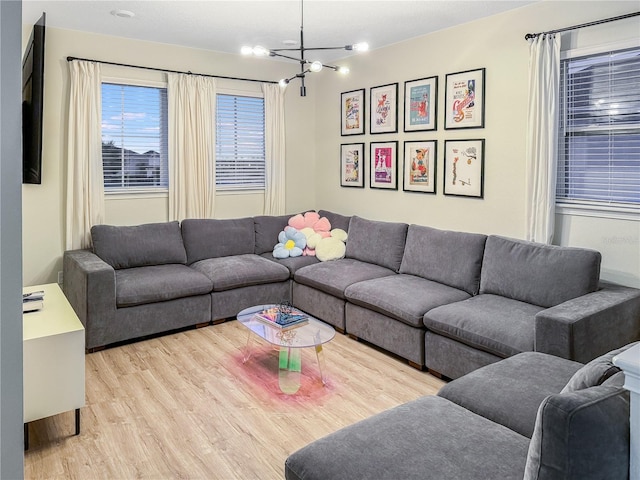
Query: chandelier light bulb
(361, 47)
(284, 82)
(260, 51)
(316, 66)
(343, 70)
(246, 50)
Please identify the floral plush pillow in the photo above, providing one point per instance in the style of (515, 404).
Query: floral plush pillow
(291, 243)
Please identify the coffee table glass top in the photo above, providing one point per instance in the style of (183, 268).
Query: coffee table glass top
(310, 334)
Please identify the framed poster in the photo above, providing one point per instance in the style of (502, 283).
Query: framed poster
(419, 167)
(464, 168)
(352, 165)
(384, 165)
(384, 109)
(352, 112)
(464, 99)
(420, 104)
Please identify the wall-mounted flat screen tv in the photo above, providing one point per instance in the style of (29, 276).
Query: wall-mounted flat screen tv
(32, 104)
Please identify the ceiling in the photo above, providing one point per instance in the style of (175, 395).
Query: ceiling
(225, 26)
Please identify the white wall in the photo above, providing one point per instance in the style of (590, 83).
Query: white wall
(497, 44)
(44, 207)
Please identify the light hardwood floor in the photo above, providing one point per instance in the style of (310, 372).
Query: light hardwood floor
(185, 406)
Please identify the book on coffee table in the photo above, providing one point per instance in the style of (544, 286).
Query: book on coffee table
(282, 321)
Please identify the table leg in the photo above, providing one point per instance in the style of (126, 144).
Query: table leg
(289, 366)
(248, 349)
(26, 436)
(321, 364)
(77, 421)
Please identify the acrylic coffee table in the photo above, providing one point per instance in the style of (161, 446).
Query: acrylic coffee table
(289, 342)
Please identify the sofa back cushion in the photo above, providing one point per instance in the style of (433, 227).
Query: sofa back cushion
(380, 243)
(140, 245)
(581, 435)
(211, 238)
(336, 220)
(545, 275)
(451, 258)
(267, 228)
(596, 372)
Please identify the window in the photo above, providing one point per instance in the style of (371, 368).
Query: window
(599, 134)
(240, 163)
(134, 138)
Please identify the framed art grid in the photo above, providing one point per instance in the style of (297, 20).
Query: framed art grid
(352, 165)
(383, 160)
(384, 109)
(464, 99)
(421, 104)
(419, 166)
(464, 168)
(352, 109)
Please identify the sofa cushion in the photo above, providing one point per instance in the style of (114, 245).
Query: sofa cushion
(491, 323)
(241, 271)
(427, 438)
(336, 220)
(452, 258)
(510, 391)
(581, 435)
(292, 263)
(544, 275)
(267, 228)
(212, 238)
(379, 243)
(140, 245)
(403, 297)
(596, 372)
(335, 276)
(159, 283)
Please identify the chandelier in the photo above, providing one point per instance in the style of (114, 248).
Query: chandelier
(306, 66)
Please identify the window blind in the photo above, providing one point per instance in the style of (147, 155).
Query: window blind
(599, 134)
(134, 137)
(240, 157)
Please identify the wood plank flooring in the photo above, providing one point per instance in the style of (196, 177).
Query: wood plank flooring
(184, 406)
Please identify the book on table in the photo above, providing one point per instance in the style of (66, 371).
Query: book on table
(283, 321)
(32, 301)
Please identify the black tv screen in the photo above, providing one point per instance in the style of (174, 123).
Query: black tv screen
(32, 104)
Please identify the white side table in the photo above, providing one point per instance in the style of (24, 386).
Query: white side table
(629, 362)
(53, 348)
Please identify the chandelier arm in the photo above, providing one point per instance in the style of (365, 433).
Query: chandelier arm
(275, 54)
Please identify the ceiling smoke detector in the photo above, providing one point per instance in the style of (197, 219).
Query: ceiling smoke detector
(123, 13)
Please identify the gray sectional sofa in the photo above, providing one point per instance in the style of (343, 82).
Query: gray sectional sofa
(450, 301)
(532, 416)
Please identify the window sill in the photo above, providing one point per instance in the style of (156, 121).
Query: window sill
(239, 192)
(135, 194)
(618, 213)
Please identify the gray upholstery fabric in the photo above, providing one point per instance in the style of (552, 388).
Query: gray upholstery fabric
(292, 263)
(212, 238)
(137, 246)
(267, 228)
(427, 439)
(240, 271)
(451, 358)
(615, 380)
(336, 220)
(152, 318)
(379, 243)
(392, 335)
(451, 258)
(586, 327)
(90, 287)
(596, 372)
(581, 435)
(335, 276)
(403, 297)
(159, 283)
(228, 303)
(537, 273)
(319, 304)
(498, 325)
(509, 392)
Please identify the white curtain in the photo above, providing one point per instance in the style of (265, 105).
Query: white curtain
(85, 187)
(275, 144)
(192, 146)
(542, 137)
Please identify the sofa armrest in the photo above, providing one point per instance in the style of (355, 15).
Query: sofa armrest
(591, 325)
(90, 287)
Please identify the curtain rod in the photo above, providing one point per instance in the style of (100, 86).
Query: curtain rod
(69, 59)
(589, 24)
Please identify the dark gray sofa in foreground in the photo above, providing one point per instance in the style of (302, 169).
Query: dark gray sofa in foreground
(532, 416)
